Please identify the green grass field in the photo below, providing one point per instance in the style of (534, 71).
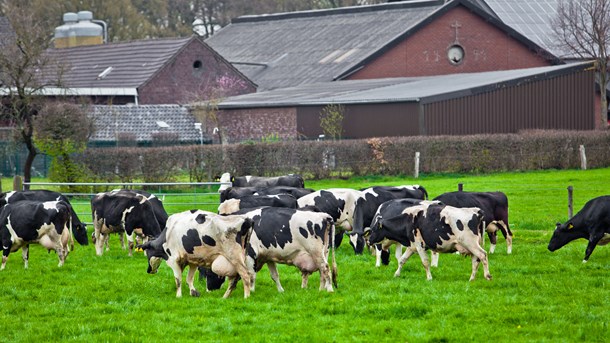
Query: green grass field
(535, 295)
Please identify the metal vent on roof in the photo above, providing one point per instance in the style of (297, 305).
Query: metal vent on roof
(104, 73)
(162, 124)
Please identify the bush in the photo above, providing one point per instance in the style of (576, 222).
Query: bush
(529, 150)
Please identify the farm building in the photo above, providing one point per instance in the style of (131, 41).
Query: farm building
(156, 71)
(552, 97)
(394, 40)
(402, 39)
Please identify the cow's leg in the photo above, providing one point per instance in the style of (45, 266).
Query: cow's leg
(325, 278)
(593, 241)
(304, 278)
(232, 285)
(129, 243)
(100, 241)
(251, 267)
(25, 253)
(5, 253)
(434, 256)
(398, 252)
(378, 250)
(403, 259)
(493, 238)
(177, 276)
(190, 277)
(237, 261)
(421, 250)
(122, 239)
(478, 254)
(275, 276)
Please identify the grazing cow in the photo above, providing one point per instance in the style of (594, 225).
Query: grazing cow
(339, 203)
(291, 180)
(372, 198)
(439, 228)
(200, 238)
(78, 229)
(157, 206)
(294, 237)
(592, 223)
(118, 211)
(25, 222)
(238, 192)
(251, 201)
(389, 209)
(495, 209)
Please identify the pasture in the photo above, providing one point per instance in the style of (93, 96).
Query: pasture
(535, 295)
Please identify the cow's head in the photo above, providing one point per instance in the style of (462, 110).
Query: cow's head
(564, 234)
(225, 178)
(80, 233)
(357, 241)
(155, 252)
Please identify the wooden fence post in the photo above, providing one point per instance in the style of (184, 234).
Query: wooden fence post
(460, 187)
(416, 172)
(570, 201)
(17, 183)
(583, 158)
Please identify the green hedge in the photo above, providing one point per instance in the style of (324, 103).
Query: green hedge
(528, 150)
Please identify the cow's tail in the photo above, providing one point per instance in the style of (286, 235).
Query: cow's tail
(332, 248)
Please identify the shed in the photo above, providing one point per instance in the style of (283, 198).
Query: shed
(554, 97)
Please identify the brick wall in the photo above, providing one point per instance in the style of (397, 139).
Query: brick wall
(256, 123)
(196, 73)
(486, 48)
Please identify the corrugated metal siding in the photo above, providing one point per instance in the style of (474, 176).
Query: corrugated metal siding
(363, 121)
(564, 102)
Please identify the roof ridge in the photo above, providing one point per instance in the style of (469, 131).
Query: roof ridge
(335, 11)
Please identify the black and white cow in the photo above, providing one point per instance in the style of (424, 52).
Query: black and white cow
(238, 192)
(389, 209)
(118, 211)
(439, 228)
(252, 201)
(78, 229)
(372, 198)
(291, 180)
(25, 222)
(202, 239)
(157, 205)
(294, 237)
(592, 223)
(339, 203)
(495, 208)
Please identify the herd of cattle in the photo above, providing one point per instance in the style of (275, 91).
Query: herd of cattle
(264, 220)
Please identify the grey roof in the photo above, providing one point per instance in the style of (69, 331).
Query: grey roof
(410, 89)
(133, 63)
(530, 18)
(313, 46)
(6, 30)
(143, 122)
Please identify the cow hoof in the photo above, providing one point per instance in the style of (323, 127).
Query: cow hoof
(195, 293)
(488, 277)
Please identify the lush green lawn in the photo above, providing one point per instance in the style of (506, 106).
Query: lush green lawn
(534, 296)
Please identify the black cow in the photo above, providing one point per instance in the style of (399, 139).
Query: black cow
(592, 223)
(339, 203)
(291, 180)
(389, 209)
(437, 227)
(495, 209)
(118, 211)
(25, 222)
(251, 201)
(79, 229)
(372, 198)
(238, 192)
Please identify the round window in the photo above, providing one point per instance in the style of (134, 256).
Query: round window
(455, 54)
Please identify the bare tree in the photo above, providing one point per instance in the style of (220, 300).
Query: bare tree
(25, 70)
(582, 27)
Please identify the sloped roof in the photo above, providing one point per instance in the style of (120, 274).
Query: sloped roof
(389, 90)
(133, 63)
(289, 49)
(6, 30)
(143, 122)
(530, 18)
